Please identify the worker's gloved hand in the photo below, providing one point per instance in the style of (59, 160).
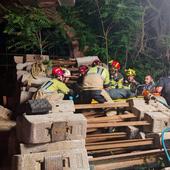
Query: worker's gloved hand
(71, 95)
(71, 98)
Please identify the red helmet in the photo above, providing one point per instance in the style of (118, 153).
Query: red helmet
(115, 64)
(96, 62)
(83, 69)
(57, 71)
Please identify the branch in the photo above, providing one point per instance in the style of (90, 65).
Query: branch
(102, 23)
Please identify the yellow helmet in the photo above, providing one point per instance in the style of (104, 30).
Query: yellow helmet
(130, 72)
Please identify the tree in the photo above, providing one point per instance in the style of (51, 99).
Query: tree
(25, 26)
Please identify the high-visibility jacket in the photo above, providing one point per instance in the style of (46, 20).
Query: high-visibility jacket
(55, 85)
(116, 81)
(102, 72)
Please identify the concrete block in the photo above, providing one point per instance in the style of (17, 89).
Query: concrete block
(49, 147)
(132, 132)
(62, 106)
(158, 121)
(139, 107)
(32, 129)
(74, 159)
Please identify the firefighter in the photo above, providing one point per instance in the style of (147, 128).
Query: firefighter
(83, 69)
(77, 87)
(116, 78)
(131, 84)
(95, 82)
(54, 89)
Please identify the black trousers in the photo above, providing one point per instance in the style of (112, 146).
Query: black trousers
(88, 95)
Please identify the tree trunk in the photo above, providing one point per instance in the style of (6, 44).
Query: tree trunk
(52, 14)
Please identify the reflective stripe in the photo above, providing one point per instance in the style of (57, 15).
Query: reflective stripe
(100, 70)
(47, 85)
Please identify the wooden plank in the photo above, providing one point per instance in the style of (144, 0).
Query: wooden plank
(120, 150)
(118, 124)
(91, 130)
(111, 118)
(101, 138)
(119, 141)
(64, 62)
(107, 134)
(125, 163)
(101, 105)
(142, 142)
(128, 155)
(93, 114)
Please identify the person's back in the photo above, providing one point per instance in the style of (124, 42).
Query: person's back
(99, 75)
(163, 87)
(94, 82)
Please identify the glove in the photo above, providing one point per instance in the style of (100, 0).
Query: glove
(70, 97)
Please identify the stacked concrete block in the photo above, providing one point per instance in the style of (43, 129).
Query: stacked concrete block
(75, 159)
(52, 141)
(63, 106)
(33, 129)
(158, 117)
(158, 121)
(139, 107)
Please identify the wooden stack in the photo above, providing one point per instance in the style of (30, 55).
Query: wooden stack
(117, 136)
(51, 141)
(24, 65)
(30, 82)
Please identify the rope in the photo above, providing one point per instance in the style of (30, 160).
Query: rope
(37, 68)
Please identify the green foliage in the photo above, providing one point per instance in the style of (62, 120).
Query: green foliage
(111, 29)
(72, 18)
(115, 24)
(25, 29)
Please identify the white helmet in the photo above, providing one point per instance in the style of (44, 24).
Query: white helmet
(67, 72)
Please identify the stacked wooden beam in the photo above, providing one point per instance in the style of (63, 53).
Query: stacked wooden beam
(51, 141)
(122, 134)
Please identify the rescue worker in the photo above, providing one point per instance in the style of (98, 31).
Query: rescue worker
(54, 89)
(131, 84)
(163, 87)
(116, 90)
(116, 78)
(96, 79)
(77, 87)
(149, 84)
(83, 69)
